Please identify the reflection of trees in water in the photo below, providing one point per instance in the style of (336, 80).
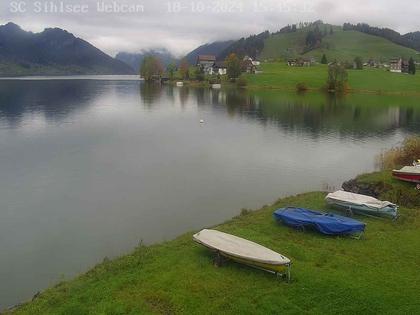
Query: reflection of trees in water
(313, 114)
(316, 114)
(150, 92)
(55, 99)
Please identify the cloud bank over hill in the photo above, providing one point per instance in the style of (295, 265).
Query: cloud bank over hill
(180, 26)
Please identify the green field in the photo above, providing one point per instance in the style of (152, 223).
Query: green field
(341, 45)
(280, 76)
(330, 275)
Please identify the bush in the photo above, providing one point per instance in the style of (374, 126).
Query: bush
(337, 78)
(241, 82)
(396, 157)
(301, 87)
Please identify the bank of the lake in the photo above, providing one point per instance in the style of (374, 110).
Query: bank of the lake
(331, 275)
(278, 75)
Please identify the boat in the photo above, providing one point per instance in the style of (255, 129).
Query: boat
(356, 203)
(408, 174)
(244, 251)
(326, 223)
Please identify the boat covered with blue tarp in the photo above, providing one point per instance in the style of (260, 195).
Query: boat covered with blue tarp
(326, 223)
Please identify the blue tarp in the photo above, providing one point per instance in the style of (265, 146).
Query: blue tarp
(325, 223)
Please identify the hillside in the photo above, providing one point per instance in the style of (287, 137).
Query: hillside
(52, 52)
(341, 45)
(215, 48)
(134, 60)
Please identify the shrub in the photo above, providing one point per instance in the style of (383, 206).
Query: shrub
(337, 78)
(400, 156)
(301, 87)
(241, 82)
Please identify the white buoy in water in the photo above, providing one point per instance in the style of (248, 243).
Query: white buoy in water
(201, 121)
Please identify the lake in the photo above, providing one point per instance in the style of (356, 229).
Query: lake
(91, 168)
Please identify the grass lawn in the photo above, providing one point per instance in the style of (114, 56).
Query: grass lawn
(330, 275)
(281, 76)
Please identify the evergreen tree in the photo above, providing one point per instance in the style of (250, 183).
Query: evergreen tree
(411, 66)
(358, 63)
(170, 69)
(324, 59)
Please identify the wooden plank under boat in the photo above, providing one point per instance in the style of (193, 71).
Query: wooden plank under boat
(243, 251)
(408, 174)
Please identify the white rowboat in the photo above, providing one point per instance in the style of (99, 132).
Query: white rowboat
(243, 251)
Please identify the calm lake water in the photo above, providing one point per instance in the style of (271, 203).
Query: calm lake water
(89, 168)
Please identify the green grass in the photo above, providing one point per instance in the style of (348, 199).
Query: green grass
(347, 45)
(278, 75)
(330, 275)
(341, 45)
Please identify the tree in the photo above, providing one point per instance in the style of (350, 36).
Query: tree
(337, 78)
(358, 62)
(233, 66)
(411, 66)
(199, 74)
(170, 69)
(324, 59)
(151, 68)
(184, 69)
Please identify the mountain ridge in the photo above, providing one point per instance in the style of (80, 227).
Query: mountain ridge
(53, 51)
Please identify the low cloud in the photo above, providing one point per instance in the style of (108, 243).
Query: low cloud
(179, 26)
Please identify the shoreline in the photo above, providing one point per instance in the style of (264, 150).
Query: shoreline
(179, 265)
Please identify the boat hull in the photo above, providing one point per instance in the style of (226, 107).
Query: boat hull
(243, 251)
(258, 265)
(407, 177)
(391, 212)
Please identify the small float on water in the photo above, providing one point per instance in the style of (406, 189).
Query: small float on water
(244, 252)
(325, 223)
(356, 203)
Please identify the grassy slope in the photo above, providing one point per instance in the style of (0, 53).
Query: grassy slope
(342, 45)
(279, 75)
(376, 275)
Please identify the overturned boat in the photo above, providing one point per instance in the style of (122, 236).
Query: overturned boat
(244, 251)
(356, 203)
(408, 174)
(326, 223)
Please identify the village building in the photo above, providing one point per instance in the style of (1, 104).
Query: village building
(207, 63)
(220, 68)
(398, 65)
(300, 62)
(249, 65)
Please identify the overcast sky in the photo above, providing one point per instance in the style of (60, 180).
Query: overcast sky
(181, 26)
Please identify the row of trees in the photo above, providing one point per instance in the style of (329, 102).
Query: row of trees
(152, 69)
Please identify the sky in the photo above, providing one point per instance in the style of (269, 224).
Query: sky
(182, 25)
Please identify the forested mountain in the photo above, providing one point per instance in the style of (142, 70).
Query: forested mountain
(215, 48)
(53, 51)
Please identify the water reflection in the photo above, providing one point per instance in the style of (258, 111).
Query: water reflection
(314, 114)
